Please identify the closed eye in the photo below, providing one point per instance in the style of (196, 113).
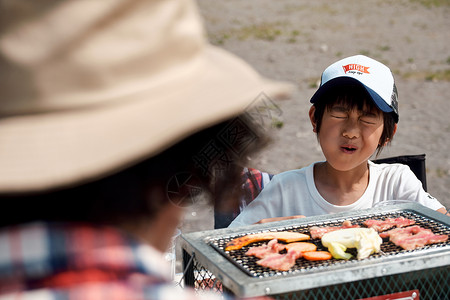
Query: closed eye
(339, 112)
(370, 122)
(370, 119)
(339, 116)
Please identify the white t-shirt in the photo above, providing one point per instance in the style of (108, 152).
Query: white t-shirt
(295, 193)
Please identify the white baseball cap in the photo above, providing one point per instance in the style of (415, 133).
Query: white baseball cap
(372, 75)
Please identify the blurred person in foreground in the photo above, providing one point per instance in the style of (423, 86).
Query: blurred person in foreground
(110, 112)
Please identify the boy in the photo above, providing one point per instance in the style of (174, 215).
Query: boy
(354, 115)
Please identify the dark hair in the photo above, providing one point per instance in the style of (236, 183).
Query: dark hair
(354, 96)
(210, 160)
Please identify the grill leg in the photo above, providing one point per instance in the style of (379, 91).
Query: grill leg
(188, 269)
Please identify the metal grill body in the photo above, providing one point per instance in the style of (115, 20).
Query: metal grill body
(390, 271)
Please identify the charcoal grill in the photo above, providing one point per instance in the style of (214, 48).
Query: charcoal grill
(424, 270)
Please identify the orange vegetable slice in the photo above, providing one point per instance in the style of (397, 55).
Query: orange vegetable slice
(302, 246)
(317, 255)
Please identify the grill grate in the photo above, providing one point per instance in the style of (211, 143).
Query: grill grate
(248, 263)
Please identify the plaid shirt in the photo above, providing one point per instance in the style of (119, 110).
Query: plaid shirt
(68, 261)
(254, 182)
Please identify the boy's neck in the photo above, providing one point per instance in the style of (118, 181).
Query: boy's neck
(341, 187)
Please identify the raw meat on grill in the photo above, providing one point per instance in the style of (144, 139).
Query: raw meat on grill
(382, 225)
(413, 237)
(272, 247)
(281, 262)
(318, 232)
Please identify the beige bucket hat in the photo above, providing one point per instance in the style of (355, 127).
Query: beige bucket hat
(89, 87)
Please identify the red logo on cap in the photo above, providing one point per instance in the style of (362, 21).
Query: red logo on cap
(356, 67)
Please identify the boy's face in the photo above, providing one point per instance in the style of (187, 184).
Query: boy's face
(348, 136)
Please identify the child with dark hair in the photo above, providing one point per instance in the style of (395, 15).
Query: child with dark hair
(104, 137)
(355, 115)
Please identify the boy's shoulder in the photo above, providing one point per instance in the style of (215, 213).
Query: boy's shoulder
(388, 167)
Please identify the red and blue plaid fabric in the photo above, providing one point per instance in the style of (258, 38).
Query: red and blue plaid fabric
(254, 182)
(67, 261)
